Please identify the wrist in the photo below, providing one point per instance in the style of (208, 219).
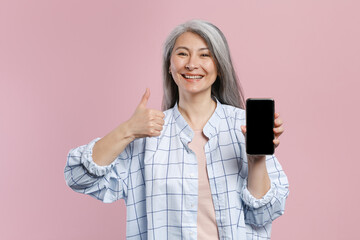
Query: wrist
(124, 132)
(256, 159)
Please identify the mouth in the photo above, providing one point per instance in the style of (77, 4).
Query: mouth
(192, 77)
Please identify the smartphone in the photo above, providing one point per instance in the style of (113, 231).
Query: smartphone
(259, 126)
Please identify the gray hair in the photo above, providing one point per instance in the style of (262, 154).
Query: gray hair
(226, 87)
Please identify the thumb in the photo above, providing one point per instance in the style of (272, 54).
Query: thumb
(145, 98)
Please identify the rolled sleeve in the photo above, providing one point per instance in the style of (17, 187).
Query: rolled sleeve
(88, 162)
(105, 183)
(253, 202)
(259, 212)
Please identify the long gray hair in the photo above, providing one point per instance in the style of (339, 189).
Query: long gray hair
(226, 87)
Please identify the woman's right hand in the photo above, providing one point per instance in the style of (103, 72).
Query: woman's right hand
(146, 122)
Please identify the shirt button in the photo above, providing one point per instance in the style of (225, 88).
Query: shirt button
(191, 175)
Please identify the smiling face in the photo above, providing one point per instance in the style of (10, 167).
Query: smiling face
(192, 65)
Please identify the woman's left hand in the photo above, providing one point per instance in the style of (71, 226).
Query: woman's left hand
(278, 129)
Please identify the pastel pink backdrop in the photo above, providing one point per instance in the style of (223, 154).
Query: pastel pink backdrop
(71, 71)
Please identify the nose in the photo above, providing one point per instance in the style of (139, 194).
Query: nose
(192, 64)
(190, 67)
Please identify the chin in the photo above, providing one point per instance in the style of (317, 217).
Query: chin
(195, 90)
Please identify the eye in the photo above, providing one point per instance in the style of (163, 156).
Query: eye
(205, 55)
(182, 54)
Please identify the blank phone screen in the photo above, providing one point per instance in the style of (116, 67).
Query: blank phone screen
(259, 126)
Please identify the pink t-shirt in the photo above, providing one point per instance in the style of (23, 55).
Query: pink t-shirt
(206, 223)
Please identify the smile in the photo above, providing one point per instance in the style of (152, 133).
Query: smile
(192, 76)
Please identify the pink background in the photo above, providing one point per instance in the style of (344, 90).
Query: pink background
(71, 71)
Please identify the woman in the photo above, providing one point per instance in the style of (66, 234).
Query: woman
(184, 173)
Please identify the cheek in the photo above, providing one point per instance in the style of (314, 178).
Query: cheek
(175, 64)
(210, 68)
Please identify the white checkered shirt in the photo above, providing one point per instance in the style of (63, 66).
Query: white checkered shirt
(158, 179)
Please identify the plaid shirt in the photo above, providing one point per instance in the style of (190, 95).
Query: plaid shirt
(158, 179)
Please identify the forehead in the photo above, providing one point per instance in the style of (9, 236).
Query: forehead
(190, 40)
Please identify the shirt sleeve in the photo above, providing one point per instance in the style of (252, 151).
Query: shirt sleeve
(260, 212)
(105, 183)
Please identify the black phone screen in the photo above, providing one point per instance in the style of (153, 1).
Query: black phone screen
(259, 126)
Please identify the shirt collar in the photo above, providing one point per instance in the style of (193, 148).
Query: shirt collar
(210, 129)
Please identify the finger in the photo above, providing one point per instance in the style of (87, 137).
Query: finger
(276, 142)
(159, 121)
(154, 125)
(278, 131)
(155, 114)
(145, 98)
(276, 115)
(158, 127)
(158, 113)
(157, 133)
(243, 129)
(278, 122)
(154, 133)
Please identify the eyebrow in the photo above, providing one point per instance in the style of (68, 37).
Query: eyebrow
(200, 49)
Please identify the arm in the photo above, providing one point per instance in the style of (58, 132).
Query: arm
(258, 177)
(261, 211)
(265, 187)
(109, 147)
(105, 183)
(144, 123)
(101, 168)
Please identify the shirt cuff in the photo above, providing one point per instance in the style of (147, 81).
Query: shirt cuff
(88, 162)
(253, 202)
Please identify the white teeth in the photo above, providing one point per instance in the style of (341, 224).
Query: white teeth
(193, 77)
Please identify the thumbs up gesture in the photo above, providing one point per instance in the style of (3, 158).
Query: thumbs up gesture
(146, 122)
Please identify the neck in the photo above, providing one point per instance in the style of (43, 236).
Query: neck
(196, 109)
